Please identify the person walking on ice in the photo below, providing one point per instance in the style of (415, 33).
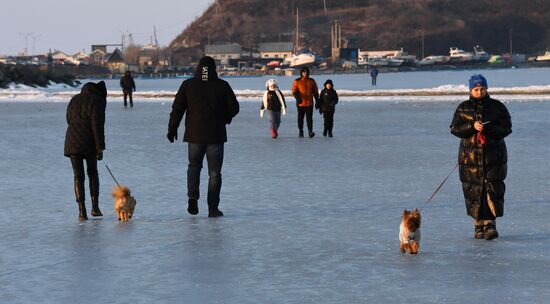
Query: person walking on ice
(304, 89)
(274, 103)
(128, 87)
(209, 104)
(482, 123)
(327, 106)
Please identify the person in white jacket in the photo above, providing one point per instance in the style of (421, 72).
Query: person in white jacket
(274, 103)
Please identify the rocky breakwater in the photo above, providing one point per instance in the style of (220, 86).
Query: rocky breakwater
(34, 76)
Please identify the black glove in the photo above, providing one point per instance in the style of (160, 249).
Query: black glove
(99, 156)
(172, 136)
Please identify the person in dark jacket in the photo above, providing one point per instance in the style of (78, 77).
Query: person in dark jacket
(305, 90)
(482, 123)
(85, 141)
(128, 87)
(209, 104)
(327, 106)
(373, 75)
(273, 102)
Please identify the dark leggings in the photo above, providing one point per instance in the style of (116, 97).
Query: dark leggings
(329, 120)
(78, 168)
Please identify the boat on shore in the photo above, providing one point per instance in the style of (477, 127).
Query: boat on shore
(460, 56)
(545, 57)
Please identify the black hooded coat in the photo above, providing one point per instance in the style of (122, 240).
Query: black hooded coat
(86, 120)
(209, 104)
(483, 167)
(328, 98)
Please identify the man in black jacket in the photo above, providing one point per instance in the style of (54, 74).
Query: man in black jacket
(210, 104)
(128, 86)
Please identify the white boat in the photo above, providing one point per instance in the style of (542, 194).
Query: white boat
(434, 60)
(458, 55)
(302, 59)
(385, 61)
(545, 57)
(480, 54)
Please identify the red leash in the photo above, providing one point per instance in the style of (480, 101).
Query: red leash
(441, 185)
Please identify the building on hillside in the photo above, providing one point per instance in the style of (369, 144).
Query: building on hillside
(82, 57)
(151, 59)
(58, 57)
(97, 57)
(115, 62)
(224, 52)
(276, 50)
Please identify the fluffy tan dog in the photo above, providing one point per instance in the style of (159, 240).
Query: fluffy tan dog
(409, 232)
(124, 203)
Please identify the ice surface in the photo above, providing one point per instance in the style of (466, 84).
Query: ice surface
(307, 220)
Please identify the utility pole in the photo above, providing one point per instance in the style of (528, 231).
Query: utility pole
(155, 34)
(34, 43)
(510, 33)
(422, 31)
(297, 30)
(26, 35)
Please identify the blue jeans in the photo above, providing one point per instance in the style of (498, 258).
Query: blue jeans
(214, 158)
(274, 119)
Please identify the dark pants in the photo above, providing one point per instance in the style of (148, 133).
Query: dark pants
(126, 94)
(78, 168)
(214, 158)
(329, 120)
(373, 80)
(308, 112)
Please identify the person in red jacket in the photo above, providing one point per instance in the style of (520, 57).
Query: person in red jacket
(305, 90)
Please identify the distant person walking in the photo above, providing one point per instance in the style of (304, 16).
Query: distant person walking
(373, 75)
(304, 89)
(128, 87)
(273, 102)
(85, 140)
(327, 106)
(209, 104)
(482, 123)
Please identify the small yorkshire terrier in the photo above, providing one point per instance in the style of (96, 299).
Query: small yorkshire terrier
(124, 203)
(409, 232)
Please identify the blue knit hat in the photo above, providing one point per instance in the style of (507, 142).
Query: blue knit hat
(477, 80)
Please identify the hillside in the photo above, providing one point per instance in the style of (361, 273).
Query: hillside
(376, 25)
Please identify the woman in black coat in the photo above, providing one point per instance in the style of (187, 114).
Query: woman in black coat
(482, 123)
(85, 140)
(327, 106)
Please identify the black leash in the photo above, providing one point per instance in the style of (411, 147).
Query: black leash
(111, 174)
(441, 185)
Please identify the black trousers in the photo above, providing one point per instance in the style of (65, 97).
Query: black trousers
(126, 94)
(308, 113)
(77, 162)
(329, 120)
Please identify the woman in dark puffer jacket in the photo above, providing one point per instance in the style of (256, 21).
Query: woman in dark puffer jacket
(85, 140)
(482, 123)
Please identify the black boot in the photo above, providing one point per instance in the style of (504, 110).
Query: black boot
(325, 131)
(301, 134)
(95, 207)
(94, 190)
(80, 197)
(479, 232)
(193, 206)
(214, 212)
(311, 134)
(330, 133)
(82, 211)
(490, 232)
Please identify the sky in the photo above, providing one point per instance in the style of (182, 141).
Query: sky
(72, 26)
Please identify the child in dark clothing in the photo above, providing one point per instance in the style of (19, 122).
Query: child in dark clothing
(274, 102)
(326, 106)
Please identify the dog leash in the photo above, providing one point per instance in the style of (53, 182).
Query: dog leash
(439, 188)
(111, 173)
